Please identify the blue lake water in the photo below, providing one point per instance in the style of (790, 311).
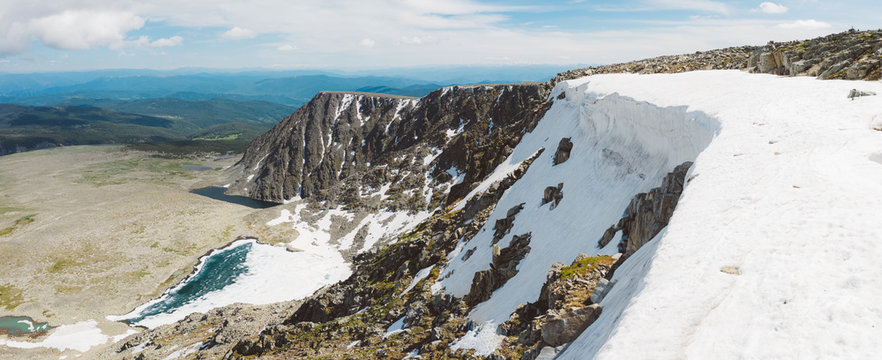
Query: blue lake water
(196, 167)
(19, 325)
(245, 271)
(218, 270)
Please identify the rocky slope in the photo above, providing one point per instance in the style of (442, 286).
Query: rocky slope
(341, 147)
(852, 55)
(470, 155)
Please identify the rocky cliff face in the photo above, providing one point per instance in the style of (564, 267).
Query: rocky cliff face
(343, 147)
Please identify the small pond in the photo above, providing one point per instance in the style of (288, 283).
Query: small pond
(20, 325)
(196, 167)
(245, 271)
(219, 269)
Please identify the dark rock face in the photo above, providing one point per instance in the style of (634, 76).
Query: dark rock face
(648, 213)
(563, 150)
(504, 225)
(553, 194)
(503, 267)
(568, 325)
(340, 141)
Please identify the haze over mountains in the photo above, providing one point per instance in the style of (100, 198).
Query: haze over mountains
(228, 107)
(285, 87)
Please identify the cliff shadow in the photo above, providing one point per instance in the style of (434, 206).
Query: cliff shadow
(217, 193)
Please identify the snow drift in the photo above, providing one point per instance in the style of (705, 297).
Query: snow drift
(621, 147)
(789, 195)
(784, 190)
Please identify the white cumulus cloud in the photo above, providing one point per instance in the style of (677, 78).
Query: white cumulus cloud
(805, 24)
(166, 42)
(286, 47)
(368, 43)
(237, 33)
(701, 5)
(771, 8)
(81, 30)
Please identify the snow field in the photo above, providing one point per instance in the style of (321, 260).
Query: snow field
(788, 193)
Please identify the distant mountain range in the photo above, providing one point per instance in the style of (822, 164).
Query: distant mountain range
(140, 106)
(293, 88)
(106, 121)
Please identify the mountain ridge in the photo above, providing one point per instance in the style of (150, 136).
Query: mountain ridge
(601, 172)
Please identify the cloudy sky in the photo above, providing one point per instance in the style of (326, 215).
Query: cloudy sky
(52, 35)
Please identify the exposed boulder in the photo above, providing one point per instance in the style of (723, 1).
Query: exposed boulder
(572, 286)
(855, 93)
(553, 194)
(494, 193)
(608, 235)
(563, 150)
(566, 326)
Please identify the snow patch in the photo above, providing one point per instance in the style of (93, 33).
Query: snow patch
(484, 340)
(420, 275)
(396, 327)
(81, 337)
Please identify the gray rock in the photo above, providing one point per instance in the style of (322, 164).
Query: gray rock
(549, 353)
(553, 194)
(650, 212)
(504, 225)
(855, 93)
(503, 267)
(563, 151)
(600, 290)
(567, 326)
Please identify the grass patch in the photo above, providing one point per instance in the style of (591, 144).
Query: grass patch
(140, 274)
(67, 289)
(185, 148)
(60, 265)
(142, 169)
(584, 265)
(24, 220)
(10, 297)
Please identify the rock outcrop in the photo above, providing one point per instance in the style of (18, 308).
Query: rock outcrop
(503, 267)
(561, 328)
(852, 55)
(648, 213)
(504, 225)
(553, 194)
(563, 150)
(564, 308)
(339, 146)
